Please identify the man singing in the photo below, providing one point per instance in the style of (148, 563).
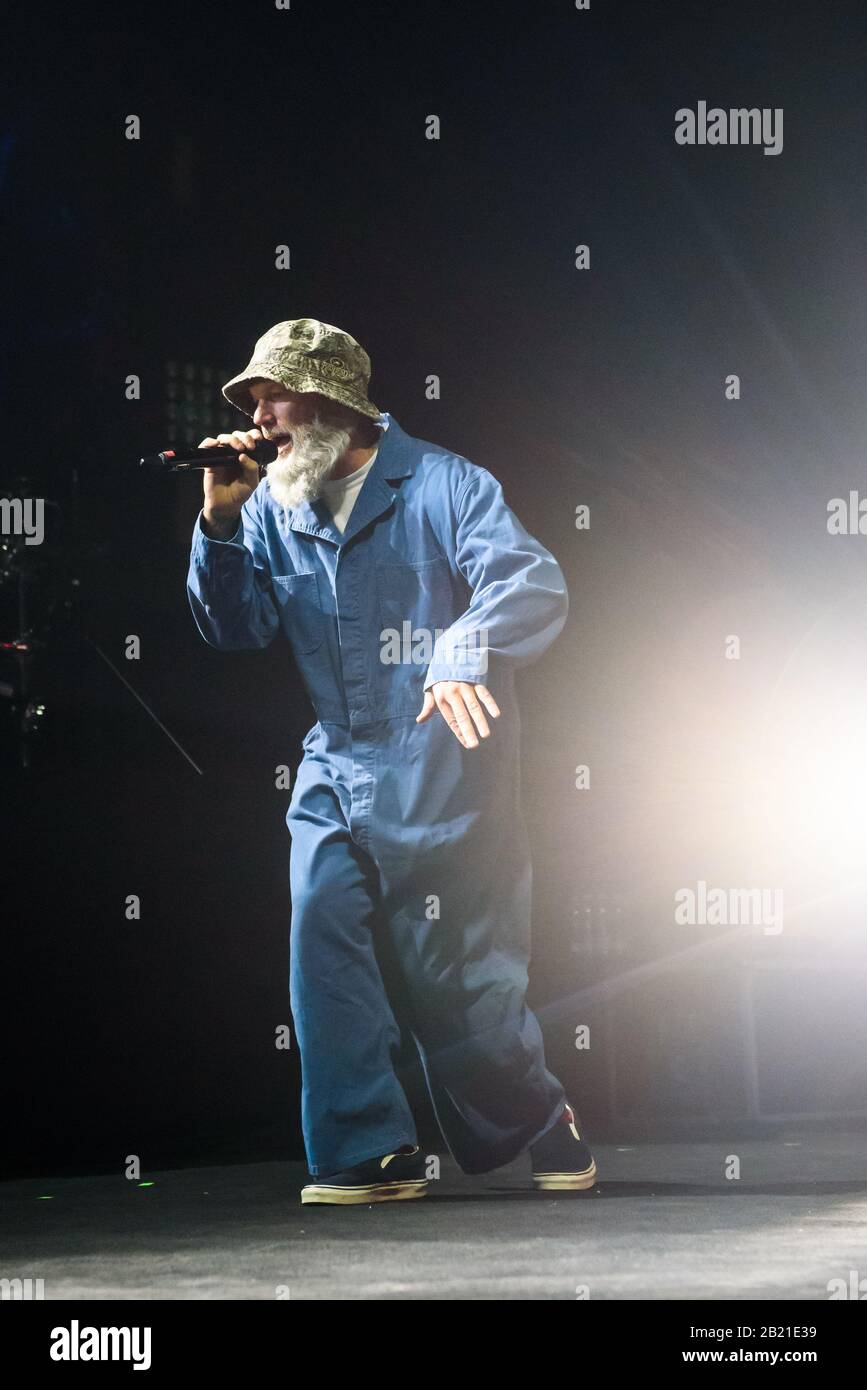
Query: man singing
(409, 593)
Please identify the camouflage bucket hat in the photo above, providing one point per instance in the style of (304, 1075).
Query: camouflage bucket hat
(306, 355)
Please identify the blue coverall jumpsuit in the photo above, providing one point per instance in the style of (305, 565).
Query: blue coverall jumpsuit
(394, 825)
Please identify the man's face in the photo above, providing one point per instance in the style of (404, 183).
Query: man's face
(311, 432)
(279, 410)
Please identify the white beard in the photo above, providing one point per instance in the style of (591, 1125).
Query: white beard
(298, 472)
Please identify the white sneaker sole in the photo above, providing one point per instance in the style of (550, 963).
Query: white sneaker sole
(320, 1192)
(566, 1182)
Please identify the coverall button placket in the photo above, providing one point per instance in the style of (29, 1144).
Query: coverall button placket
(353, 660)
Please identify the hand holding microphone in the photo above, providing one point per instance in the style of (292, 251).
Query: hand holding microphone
(229, 481)
(228, 485)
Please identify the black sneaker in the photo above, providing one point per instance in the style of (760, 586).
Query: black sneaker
(562, 1162)
(389, 1179)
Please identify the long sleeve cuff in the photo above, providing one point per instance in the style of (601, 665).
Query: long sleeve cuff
(202, 540)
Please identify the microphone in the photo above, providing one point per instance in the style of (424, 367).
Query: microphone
(182, 460)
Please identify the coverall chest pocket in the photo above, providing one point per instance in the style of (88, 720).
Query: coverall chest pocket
(419, 594)
(297, 598)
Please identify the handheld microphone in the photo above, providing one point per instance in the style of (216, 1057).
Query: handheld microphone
(182, 460)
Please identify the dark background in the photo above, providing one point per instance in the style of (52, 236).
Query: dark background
(306, 127)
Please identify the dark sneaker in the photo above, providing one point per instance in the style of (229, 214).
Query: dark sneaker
(562, 1162)
(389, 1179)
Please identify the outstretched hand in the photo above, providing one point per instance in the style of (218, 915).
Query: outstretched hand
(456, 702)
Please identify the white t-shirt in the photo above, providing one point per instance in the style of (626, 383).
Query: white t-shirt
(341, 494)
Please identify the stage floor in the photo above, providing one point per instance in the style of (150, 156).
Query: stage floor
(663, 1223)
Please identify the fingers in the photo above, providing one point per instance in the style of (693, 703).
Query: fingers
(226, 474)
(460, 723)
(427, 708)
(238, 439)
(241, 440)
(487, 700)
(477, 714)
(459, 704)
